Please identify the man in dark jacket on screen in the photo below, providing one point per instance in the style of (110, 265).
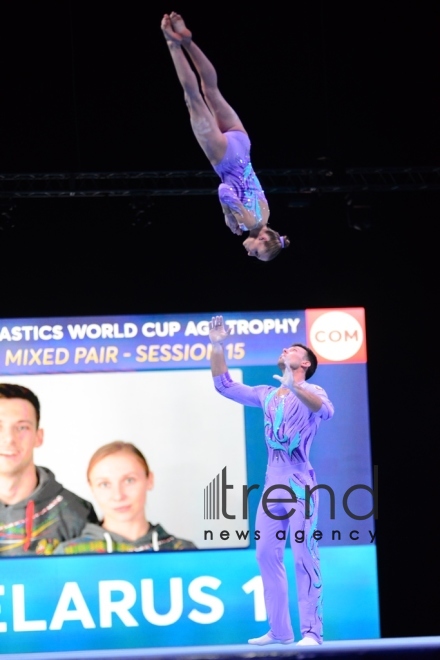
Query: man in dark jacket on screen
(36, 512)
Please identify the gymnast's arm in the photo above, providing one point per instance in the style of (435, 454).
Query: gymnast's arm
(231, 221)
(312, 396)
(248, 396)
(243, 216)
(234, 208)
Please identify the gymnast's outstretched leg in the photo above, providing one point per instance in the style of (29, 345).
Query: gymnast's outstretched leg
(225, 116)
(203, 123)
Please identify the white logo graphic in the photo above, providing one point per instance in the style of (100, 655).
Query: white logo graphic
(336, 336)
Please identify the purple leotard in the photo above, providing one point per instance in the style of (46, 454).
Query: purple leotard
(289, 431)
(239, 181)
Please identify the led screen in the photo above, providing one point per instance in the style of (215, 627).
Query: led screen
(146, 380)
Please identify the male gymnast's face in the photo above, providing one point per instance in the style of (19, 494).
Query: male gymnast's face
(295, 357)
(19, 436)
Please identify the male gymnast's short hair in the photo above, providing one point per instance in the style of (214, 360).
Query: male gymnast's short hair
(311, 358)
(10, 391)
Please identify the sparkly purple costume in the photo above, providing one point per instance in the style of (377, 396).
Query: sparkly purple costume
(239, 181)
(289, 431)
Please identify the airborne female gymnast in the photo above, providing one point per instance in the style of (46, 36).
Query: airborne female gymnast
(225, 142)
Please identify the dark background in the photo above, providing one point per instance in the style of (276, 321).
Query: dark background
(88, 87)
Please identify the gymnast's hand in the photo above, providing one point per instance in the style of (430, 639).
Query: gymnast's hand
(286, 379)
(231, 221)
(218, 331)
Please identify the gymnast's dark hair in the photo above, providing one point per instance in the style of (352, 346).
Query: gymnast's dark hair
(8, 391)
(311, 358)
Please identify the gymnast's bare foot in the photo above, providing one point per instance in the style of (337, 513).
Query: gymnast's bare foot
(178, 25)
(172, 37)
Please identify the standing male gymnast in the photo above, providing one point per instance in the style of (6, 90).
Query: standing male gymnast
(292, 415)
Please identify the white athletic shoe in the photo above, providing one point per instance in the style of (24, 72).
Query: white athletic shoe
(308, 641)
(267, 639)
